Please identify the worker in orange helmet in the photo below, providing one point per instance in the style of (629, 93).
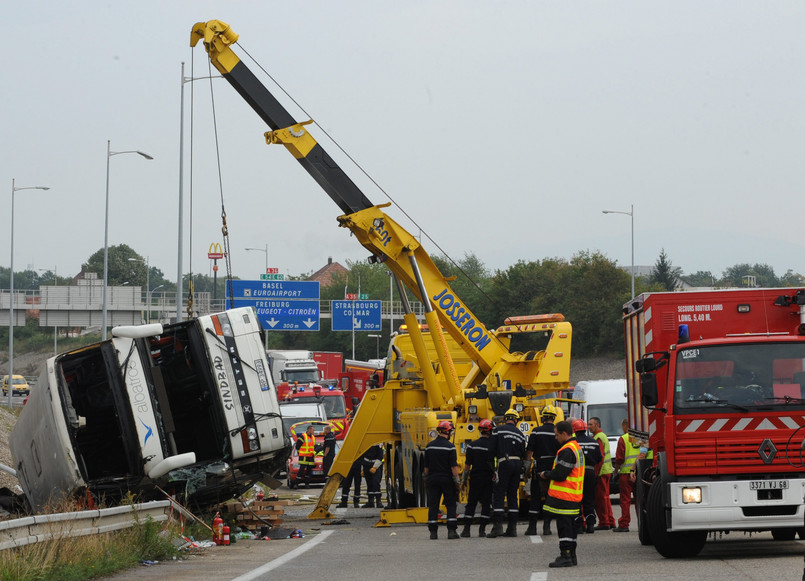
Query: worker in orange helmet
(441, 480)
(592, 458)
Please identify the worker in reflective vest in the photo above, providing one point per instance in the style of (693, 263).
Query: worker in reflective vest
(306, 445)
(565, 492)
(625, 457)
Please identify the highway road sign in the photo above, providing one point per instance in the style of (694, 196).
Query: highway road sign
(274, 289)
(281, 305)
(366, 316)
(281, 315)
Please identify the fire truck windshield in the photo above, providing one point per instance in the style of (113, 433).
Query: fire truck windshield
(739, 377)
(334, 406)
(301, 375)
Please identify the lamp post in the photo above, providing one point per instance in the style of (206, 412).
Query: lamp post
(147, 279)
(55, 327)
(630, 213)
(179, 281)
(109, 154)
(148, 296)
(262, 250)
(14, 189)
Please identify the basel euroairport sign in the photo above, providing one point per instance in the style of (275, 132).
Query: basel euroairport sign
(356, 315)
(281, 305)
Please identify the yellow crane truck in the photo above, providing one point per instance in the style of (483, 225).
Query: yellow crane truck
(483, 382)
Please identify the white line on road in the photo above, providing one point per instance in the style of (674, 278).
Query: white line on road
(279, 561)
(539, 576)
(536, 539)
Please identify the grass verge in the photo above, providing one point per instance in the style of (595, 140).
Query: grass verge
(88, 557)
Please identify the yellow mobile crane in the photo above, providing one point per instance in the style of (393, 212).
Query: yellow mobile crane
(403, 414)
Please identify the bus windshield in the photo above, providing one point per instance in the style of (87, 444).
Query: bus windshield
(739, 377)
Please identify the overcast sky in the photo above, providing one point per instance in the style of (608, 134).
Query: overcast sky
(502, 128)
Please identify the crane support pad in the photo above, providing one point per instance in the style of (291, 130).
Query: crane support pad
(417, 515)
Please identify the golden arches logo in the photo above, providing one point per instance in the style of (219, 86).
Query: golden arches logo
(215, 252)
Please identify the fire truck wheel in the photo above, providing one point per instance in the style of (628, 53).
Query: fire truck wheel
(647, 474)
(783, 534)
(670, 545)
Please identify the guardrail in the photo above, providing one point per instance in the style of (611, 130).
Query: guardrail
(46, 527)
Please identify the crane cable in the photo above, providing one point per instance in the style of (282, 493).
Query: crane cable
(365, 173)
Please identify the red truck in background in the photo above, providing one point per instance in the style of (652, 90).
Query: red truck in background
(359, 376)
(715, 383)
(330, 363)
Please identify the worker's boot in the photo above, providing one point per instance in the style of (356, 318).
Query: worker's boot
(564, 559)
(482, 530)
(465, 532)
(573, 556)
(546, 527)
(370, 504)
(497, 530)
(511, 529)
(434, 534)
(343, 504)
(532, 527)
(452, 534)
(356, 501)
(590, 526)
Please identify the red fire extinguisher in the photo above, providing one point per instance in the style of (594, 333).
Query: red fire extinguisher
(218, 529)
(226, 535)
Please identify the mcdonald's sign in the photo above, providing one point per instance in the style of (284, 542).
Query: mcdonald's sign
(215, 252)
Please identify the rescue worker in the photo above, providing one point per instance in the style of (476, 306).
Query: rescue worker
(479, 465)
(329, 449)
(603, 506)
(625, 457)
(565, 492)
(592, 457)
(508, 447)
(541, 450)
(373, 472)
(306, 446)
(354, 476)
(441, 480)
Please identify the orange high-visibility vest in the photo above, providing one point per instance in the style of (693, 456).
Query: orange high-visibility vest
(569, 489)
(308, 445)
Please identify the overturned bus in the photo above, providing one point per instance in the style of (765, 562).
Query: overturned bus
(189, 408)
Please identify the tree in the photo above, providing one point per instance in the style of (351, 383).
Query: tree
(120, 269)
(791, 278)
(665, 274)
(738, 274)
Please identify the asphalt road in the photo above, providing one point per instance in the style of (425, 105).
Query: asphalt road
(359, 550)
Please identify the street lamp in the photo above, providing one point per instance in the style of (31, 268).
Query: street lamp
(147, 276)
(55, 327)
(179, 280)
(148, 296)
(262, 250)
(109, 154)
(630, 213)
(377, 351)
(14, 189)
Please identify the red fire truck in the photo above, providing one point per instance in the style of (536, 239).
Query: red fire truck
(716, 381)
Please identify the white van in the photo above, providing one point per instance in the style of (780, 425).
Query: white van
(605, 399)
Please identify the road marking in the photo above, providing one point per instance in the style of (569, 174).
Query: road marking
(536, 539)
(539, 576)
(279, 561)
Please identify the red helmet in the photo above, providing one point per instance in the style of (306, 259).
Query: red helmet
(579, 426)
(445, 427)
(486, 426)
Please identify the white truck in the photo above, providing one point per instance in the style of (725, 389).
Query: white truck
(189, 407)
(604, 399)
(293, 367)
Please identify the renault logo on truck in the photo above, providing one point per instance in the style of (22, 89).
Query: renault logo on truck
(767, 451)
